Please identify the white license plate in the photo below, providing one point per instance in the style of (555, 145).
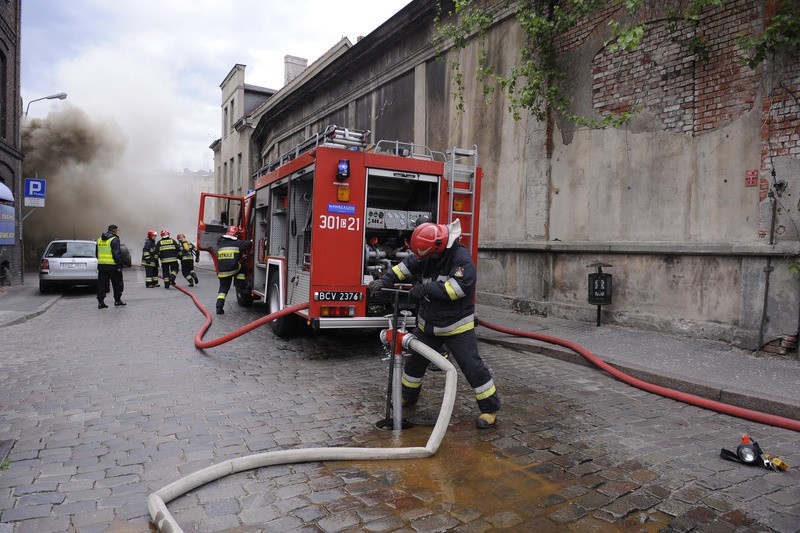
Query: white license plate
(340, 296)
(73, 265)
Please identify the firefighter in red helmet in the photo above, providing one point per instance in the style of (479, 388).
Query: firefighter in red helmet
(168, 255)
(150, 260)
(446, 313)
(230, 258)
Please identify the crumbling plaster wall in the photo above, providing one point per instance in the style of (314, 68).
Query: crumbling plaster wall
(664, 199)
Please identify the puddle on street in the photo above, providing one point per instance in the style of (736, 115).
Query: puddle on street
(470, 473)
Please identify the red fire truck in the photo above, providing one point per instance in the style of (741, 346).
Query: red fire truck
(331, 215)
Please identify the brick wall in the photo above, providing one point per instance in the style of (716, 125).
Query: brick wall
(688, 94)
(725, 88)
(658, 78)
(693, 94)
(780, 127)
(10, 150)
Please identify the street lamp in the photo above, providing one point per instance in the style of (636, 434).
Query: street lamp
(59, 96)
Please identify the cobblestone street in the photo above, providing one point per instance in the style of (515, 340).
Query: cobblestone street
(106, 406)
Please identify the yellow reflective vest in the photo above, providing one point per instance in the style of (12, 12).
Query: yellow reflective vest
(104, 254)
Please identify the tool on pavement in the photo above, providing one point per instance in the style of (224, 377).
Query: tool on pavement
(750, 453)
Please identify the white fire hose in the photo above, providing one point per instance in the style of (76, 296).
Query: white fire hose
(157, 501)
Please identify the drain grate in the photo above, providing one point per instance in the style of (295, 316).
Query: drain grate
(5, 447)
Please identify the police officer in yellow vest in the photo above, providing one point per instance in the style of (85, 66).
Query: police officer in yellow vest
(109, 267)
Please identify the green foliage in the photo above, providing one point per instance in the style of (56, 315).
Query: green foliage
(5, 464)
(534, 84)
(625, 39)
(794, 269)
(782, 33)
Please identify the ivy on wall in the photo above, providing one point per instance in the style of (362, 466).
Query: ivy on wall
(533, 84)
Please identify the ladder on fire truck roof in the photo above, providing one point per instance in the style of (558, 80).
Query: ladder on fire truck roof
(333, 135)
(461, 167)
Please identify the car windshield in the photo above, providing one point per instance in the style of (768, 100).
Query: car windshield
(72, 249)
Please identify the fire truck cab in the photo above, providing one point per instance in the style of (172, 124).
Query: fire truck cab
(331, 215)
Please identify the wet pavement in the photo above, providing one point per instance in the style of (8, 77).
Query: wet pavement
(103, 407)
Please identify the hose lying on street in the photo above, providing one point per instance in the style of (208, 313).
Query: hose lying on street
(157, 501)
(732, 410)
(201, 344)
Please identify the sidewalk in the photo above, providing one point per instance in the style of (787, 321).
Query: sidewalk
(19, 303)
(713, 370)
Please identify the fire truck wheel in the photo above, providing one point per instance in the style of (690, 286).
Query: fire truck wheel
(285, 326)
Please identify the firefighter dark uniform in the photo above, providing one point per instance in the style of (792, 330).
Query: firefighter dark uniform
(188, 254)
(446, 312)
(167, 249)
(109, 267)
(150, 260)
(229, 264)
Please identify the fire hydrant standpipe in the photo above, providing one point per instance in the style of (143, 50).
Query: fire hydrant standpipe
(392, 338)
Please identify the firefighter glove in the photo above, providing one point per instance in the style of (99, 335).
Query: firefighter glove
(375, 287)
(417, 293)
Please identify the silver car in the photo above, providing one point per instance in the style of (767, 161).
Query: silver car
(68, 262)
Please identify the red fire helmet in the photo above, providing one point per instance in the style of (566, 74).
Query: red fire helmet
(429, 238)
(231, 232)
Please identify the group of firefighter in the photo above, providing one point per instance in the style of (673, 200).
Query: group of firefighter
(174, 255)
(180, 256)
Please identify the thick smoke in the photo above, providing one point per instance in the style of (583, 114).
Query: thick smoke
(88, 187)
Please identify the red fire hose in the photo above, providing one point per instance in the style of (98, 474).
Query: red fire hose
(201, 344)
(740, 412)
(713, 405)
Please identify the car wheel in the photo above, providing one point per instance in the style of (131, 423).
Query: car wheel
(285, 326)
(44, 287)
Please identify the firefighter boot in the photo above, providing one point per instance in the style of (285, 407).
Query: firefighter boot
(220, 311)
(166, 284)
(118, 303)
(101, 304)
(487, 420)
(194, 277)
(408, 400)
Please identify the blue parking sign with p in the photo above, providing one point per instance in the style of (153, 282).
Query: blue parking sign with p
(34, 188)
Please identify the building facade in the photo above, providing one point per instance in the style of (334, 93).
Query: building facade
(682, 202)
(11, 184)
(232, 168)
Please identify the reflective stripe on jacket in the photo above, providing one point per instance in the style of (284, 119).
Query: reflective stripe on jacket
(149, 257)
(449, 304)
(228, 256)
(168, 250)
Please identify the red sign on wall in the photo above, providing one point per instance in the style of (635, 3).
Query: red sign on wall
(751, 177)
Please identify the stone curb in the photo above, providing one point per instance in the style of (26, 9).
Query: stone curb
(738, 397)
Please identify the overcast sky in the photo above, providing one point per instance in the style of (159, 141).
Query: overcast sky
(152, 68)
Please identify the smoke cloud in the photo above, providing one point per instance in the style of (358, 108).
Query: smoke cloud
(88, 186)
